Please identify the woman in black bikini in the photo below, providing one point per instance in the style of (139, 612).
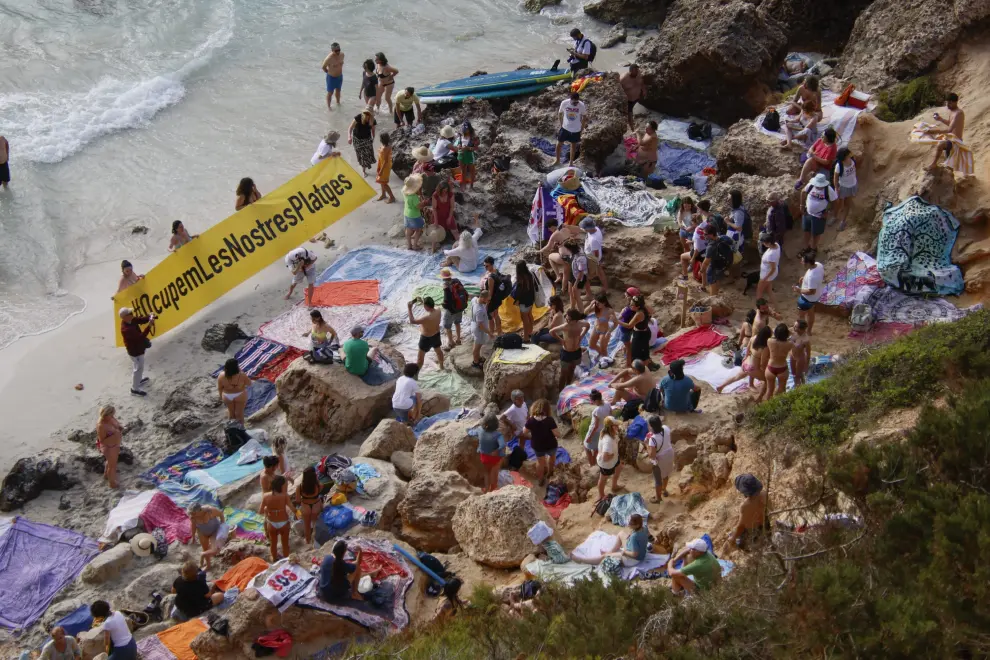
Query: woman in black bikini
(369, 85)
(641, 335)
(309, 500)
(386, 80)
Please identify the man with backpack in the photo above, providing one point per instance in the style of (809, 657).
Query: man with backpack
(498, 285)
(455, 301)
(583, 53)
(815, 199)
(719, 255)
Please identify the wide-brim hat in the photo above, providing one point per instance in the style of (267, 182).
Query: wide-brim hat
(820, 181)
(413, 184)
(332, 137)
(434, 233)
(447, 132)
(143, 545)
(422, 154)
(445, 274)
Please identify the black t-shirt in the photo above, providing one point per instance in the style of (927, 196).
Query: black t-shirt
(362, 130)
(191, 597)
(542, 432)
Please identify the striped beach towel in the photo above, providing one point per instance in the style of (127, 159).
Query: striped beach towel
(580, 392)
(960, 159)
(254, 355)
(248, 525)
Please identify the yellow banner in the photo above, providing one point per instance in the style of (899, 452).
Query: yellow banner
(227, 254)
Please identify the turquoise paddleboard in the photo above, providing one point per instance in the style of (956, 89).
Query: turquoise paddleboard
(494, 94)
(494, 81)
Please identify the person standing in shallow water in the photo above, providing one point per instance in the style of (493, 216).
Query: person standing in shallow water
(333, 66)
(386, 80)
(247, 193)
(4, 162)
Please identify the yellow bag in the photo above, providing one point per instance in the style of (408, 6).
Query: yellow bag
(338, 499)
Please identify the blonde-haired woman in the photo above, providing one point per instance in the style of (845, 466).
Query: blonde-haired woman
(608, 455)
(108, 439)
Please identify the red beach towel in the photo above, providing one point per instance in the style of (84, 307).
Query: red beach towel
(691, 342)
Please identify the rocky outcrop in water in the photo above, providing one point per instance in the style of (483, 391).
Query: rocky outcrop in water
(535, 6)
(713, 59)
(634, 13)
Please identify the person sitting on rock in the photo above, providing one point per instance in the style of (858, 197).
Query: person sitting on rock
(699, 572)
(491, 449)
(820, 157)
(637, 541)
(810, 92)
(515, 415)
(680, 394)
(752, 513)
(193, 596)
(407, 402)
(358, 355)
(800, 125)
(633, 385)
(322, 338)
(558, 254)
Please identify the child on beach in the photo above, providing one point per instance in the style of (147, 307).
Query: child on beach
(385, 168)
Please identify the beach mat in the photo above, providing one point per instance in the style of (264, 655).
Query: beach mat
(277, 365)
(633, 206)
(254, 355)
(916, 240)
(244, 524)
(260, 393)
(37, 561)
(883, 332)
(579, 393)
(709, 368)
(126, 514)
(892, 305)
(240, 574)
(162, 513)
(449, 383)
(339, 294)
(178, 639)
(674, 161)
(840, 118)
(288, 328)
(228, 471)
(199, 455)
(859, 273)
(528, 354)
(691, 343)
(185, 496)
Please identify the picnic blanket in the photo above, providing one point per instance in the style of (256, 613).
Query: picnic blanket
(288, 328)
(840, 118)
(690, 343)
(891, 305)
(883, 332)
(162, 513)
(450, 415)
(860, 271)
(819, 369)
(178, 639)
(125, 515)
(914, 249)
(151, 648)
(260, 393)
(672, 129)
(185, 496)
(709, 368)
(528, 354)
(508, 314)
(380, 370)
(199, 455)
(254, 355)
(244, 524)
(77, 621)
(627, 200)
(562, 455)
(557, 507)
(393, 615)
(36, 562)
(960, 159)
(449, 383)
(240, 574)
(674, 161)
(624, 506)
(228, 471)
(579, 392)
(567, 573)
(339, 294)
(550, 148)
(591, 549)
(278, 364)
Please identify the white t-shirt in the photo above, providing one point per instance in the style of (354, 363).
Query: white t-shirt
(573, 113)
(405, 388)
(442, 148)
(661, 441)
(818, 199)
(323, 151)
(848, 177)
(608, 445)
(813, 279)
(116, 625)
(582, 46)
(593, 244)
(771, 256)
(699, 240)
(685, 218)
(468, 257)
(517, 417)
(479, 314)
(598, 414)
(297, 255)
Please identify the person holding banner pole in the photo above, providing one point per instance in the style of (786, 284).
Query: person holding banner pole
(136, 342)
(302, 263)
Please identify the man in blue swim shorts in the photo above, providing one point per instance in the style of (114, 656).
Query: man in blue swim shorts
(333, 66)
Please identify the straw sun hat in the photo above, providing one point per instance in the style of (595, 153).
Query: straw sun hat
(143, 545)
(413, 184)
(422, 154)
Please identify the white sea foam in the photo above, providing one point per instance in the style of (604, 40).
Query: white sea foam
(27, 316)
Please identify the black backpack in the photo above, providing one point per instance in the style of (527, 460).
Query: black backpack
(699, 132)
(503, 286)
(771, 121)
(602, 506)
(654, 401)
(724, 253)
(593, 52)
(747, 228)
(234, 437)
(433, 564)
(508, 340)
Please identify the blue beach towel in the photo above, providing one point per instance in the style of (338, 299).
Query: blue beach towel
(259, 394)
(228, 471)
(425, 423)
(197, 456)
(562, 455)
(185, 496)
(674, 161)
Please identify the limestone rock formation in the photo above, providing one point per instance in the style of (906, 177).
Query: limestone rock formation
(617, 35)
(156, 578)
(634, 262)
(634, 13)
(745, 150)
(403, 462)
(721, 305)
(537, 380)
(895, 40)
(428, 509)
(491, 528)
(220, 336)
(714, 59)
(108, 564)
(756, 192)
(535, 6)
(388, 437)
(446, 446)
(326, 404)
(816, 26)
(684, 453)
(479, 113)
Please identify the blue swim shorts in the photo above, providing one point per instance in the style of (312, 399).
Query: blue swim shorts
(334, 82)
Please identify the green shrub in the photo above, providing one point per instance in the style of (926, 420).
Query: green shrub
(906, 100)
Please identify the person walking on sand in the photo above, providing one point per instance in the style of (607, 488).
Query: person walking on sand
(247, 193)
(569, 334)
(233, 387)
(109, 437)
(386, 80)
(369, 84)
(646, 149)
(310, 502)
(302, 263)
(780, 348)
(277, 510)
(572, 117)
(385, 169)
(413, 210)
(4, 162)
(136, 342)
(635, 88)
(481, 331)
(361, 134)
(179, 236)
(429, 330)
(333, 66)
(491, 451)
(207, 523)
(810, 288)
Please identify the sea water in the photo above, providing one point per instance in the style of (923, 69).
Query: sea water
(124, 114)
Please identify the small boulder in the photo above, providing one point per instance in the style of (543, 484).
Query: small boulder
(721, 305)
(615, 36)
(108, 564)
(635, 13)
(745, 150)
(491, 528)
(156, 578)
(537, 380)
(720, 469)
(403, 462)
(220, 336)
(684, 453)
(447, 446)
(435, 403)
(534, 6)
(428, 509)
(388, 437)
(685, 478)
